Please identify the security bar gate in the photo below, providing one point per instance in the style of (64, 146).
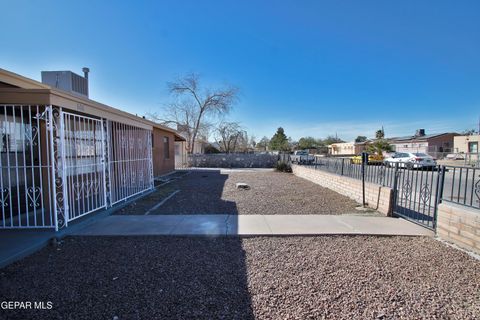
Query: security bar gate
(417, 194)
(83, 156)
(58, 166)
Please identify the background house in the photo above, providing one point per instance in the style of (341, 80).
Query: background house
(437, 145)
(347, 148)
(467, 147)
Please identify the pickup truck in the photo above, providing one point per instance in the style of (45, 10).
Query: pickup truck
(302, 157)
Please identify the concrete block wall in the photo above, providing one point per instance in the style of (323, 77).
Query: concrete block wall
(378, 197)
(232, 160)
(460, 225)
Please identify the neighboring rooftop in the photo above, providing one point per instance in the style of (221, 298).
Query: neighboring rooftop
(420, 136)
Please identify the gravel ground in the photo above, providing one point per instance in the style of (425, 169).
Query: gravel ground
(142, 205)
(212, 192)
(163, 189)
(244, 278)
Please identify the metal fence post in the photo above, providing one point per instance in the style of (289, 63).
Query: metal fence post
(363, 183)
(439, 194)
(343, 163)
(395, 186)
(63, 165)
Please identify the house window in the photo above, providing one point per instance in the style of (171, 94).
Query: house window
(166, 147)
(473, 147)
(14, 135)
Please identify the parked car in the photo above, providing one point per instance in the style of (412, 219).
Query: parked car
(455, 156)
(410, 160)
(302, 157)
(372, 159)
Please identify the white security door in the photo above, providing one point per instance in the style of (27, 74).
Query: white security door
(83, 155)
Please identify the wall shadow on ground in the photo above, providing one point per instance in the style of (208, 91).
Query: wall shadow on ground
(203, 196)
(141, 277)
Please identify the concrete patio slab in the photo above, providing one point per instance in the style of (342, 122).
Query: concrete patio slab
(247, 225)
(307, 224)
(384, 226)
(131, 225)
(16, 244)
(215, 224)
(219, 224)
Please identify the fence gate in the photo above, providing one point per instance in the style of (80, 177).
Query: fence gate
(82, 147)
(417, 194)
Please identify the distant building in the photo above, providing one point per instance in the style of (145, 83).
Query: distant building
(347, 148)
(436, 145)
(200, 141)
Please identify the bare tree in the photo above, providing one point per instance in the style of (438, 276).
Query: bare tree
(194, 106)
(262, 145)
(243, 142)
(229, 135)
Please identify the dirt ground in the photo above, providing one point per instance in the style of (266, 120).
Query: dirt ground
(215, 192)
(343, 277)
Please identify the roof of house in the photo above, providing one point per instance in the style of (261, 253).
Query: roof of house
(34, 92)
(351, 143)
(419, 138)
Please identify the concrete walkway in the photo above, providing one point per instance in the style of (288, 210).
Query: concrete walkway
(16, 244)
(217, 225)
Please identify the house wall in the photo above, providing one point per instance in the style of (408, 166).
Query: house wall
(346, 148)
(443, 143)
(411, 146)
(377, 197)
(162, 165)
(181, 154)
(232, 160)
(359, 148)
(460, 143)
(342, 148)
(435, 146)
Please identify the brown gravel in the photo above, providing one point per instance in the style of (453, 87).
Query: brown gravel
(361, 278)
(212, 192)
(265, 278)
(142, 205)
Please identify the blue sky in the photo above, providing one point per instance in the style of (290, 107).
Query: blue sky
(312, 67)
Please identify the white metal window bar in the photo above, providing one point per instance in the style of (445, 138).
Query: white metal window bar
(58, 166)
(130, 158)
(25, 166)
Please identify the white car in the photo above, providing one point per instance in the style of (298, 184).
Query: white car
(410, 160)
(302, 157)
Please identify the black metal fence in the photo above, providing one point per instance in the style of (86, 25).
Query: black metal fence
(375, 172)
(460, 185)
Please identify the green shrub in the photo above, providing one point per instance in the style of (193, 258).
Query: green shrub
(283, 167)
